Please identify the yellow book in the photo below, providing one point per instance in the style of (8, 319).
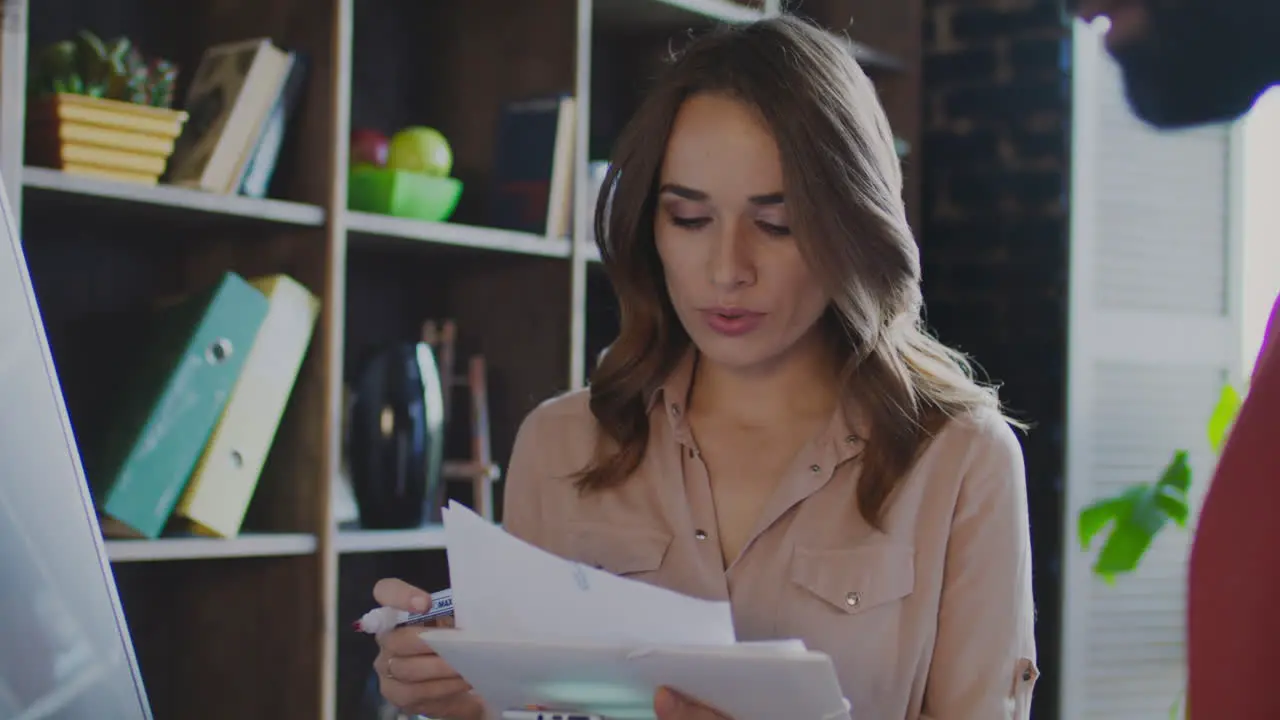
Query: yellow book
(226, 476)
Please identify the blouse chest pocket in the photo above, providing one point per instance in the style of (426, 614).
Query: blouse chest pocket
(619, 549)
(857, 580)
(849, 603)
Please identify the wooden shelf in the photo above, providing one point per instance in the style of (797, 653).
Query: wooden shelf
(172, 198)
(350, 542)
(249, 545)
(385, 227)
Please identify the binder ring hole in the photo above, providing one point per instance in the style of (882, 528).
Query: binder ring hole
(218, 352)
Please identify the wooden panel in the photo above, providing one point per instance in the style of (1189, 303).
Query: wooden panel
(451, 65)
(222, 639)
(427, 570)
(512, 309)
(602, 314)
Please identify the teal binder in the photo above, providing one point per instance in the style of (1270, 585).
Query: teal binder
(193, 353)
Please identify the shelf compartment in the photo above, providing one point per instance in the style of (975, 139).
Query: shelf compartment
(371, 226)
(197, 548)
(46, 180)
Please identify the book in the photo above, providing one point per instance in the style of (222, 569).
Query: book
(172, 387)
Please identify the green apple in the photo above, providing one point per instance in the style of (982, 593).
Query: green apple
(420, 149)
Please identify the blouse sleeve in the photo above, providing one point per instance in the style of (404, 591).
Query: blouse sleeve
(984, 661)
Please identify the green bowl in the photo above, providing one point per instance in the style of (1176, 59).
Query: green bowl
(403, 193)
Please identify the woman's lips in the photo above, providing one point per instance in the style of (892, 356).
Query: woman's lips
(732, 322)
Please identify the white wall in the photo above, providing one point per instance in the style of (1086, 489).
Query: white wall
(1261, 221)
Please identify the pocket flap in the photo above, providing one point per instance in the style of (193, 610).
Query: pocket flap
(856, 579)
(620, 549)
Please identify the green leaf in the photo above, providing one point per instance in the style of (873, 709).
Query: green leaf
(1131, 536)
(1224, 414)
(1176, 477)
(1136, 516)
(1095, 517)
(1175, 507)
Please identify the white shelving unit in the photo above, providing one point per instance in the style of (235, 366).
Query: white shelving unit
(194, 548)
(526, 294)
(351, 542)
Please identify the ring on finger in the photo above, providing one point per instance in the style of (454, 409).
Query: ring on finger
(390, 675)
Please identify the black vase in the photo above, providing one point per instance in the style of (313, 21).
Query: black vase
(397, 438)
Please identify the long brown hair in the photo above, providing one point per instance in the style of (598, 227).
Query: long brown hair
(843, 184)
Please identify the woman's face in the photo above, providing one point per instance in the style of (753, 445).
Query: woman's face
(733, 268)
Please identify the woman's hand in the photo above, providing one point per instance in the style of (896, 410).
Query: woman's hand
(411, 675)
(671, 705)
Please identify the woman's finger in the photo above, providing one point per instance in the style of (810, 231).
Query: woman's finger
(398, 594)
(415, 668)
(404, 641)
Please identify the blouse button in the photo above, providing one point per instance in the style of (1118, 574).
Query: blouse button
(675, 409)
(815, 468)
(852, 599)
(700, 534)
(851, 439)
(1026, 675)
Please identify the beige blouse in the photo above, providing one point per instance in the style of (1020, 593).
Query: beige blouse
(930, 619)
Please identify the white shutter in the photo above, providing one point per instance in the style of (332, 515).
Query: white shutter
(1154, 331)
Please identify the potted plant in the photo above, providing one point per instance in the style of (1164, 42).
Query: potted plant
(102, 109)
(1129, 521)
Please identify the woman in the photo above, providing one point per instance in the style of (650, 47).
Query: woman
(773, 426)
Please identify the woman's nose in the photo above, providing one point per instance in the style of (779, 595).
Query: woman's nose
(731, 263)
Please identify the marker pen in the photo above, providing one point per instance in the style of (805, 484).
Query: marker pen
(384, 618)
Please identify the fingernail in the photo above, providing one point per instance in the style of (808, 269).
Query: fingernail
(667, 702)
(419, 603)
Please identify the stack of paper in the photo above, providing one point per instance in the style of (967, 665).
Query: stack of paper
(533, 628)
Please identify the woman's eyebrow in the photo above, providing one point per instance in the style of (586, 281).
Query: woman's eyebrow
(688, 193)
(774, 198)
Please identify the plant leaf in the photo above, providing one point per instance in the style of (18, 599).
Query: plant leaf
(1095, 517)
(1177, 474)
(1172, 487)
(1138, 514)
(1224, 414)
(1132, 535)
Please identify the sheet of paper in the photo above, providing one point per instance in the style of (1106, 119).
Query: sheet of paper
(618, 683)
(503, 586)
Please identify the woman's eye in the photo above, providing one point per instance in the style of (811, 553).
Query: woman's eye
(689, 223)
(770, 228)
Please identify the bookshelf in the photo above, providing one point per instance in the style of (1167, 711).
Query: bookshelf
(255, 626)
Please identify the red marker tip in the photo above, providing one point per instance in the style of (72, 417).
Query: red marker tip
(356, 625)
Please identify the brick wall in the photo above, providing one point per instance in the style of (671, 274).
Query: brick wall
(994, 237)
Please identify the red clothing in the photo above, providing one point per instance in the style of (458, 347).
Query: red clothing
(1233, 604)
